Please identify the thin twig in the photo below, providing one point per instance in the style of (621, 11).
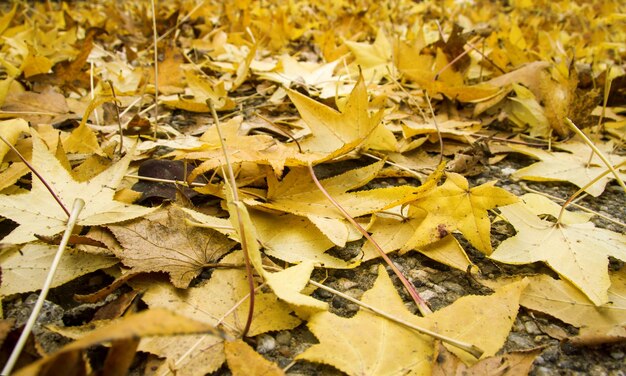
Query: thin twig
(472, 349)
(242, 230)
(156, 69)
(30, 167)
(421, 304)
(17, 350)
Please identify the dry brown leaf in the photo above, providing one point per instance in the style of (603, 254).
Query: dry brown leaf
(163, 242)
(510, 364)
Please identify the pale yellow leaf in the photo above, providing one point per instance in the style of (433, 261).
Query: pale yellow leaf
(468, 317)
(562, 300)
(11, 130)
(244, 361)
(26, 270)
(38, 213)
(578, 252)
(578, 167)
(370, 344)
(289, 283)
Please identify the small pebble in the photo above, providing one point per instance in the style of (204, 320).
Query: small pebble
(283, 338)
(427, 294)
(531, 327)
(520, 341)
(343, 284)
(453, 287)
(617, 354)
(265, 343)
(543, 371)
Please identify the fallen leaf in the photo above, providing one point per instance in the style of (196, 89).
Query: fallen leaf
(38, 213)
(297, 193)
(48, 107)
(578, 252)
(510, 364)
(335, 133)
(375, 60)
(454, 206)
(578, 166)
(467, 318)
(561, 299)
(370, 344)
(153, 322)
(11, 130)
(243, 360)
(26, 269)
(226, 288)
(163, 242)
(290, 71)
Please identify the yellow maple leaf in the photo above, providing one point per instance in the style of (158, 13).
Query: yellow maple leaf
(375, 59)
(561, 299)
(39, 214)
(298, 194)
(423, 70)
(336, 133)
(576, 166)
(387, 348)
(578, 251)
(454, 206)
(244, 361)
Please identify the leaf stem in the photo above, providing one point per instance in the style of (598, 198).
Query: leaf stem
(17, 350)
(472, 349)
(421, 304)
(604, 159)
(32, 169)
(156, 68)
(242, 230)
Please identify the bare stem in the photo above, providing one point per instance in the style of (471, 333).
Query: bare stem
(472, 349)
(421, 304)
(17, 350)
(156, 68)
(32, 169)
(242, 230)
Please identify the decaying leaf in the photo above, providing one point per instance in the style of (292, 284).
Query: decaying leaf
(163, 242)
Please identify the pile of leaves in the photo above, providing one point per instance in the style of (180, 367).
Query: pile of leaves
(226, 150)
